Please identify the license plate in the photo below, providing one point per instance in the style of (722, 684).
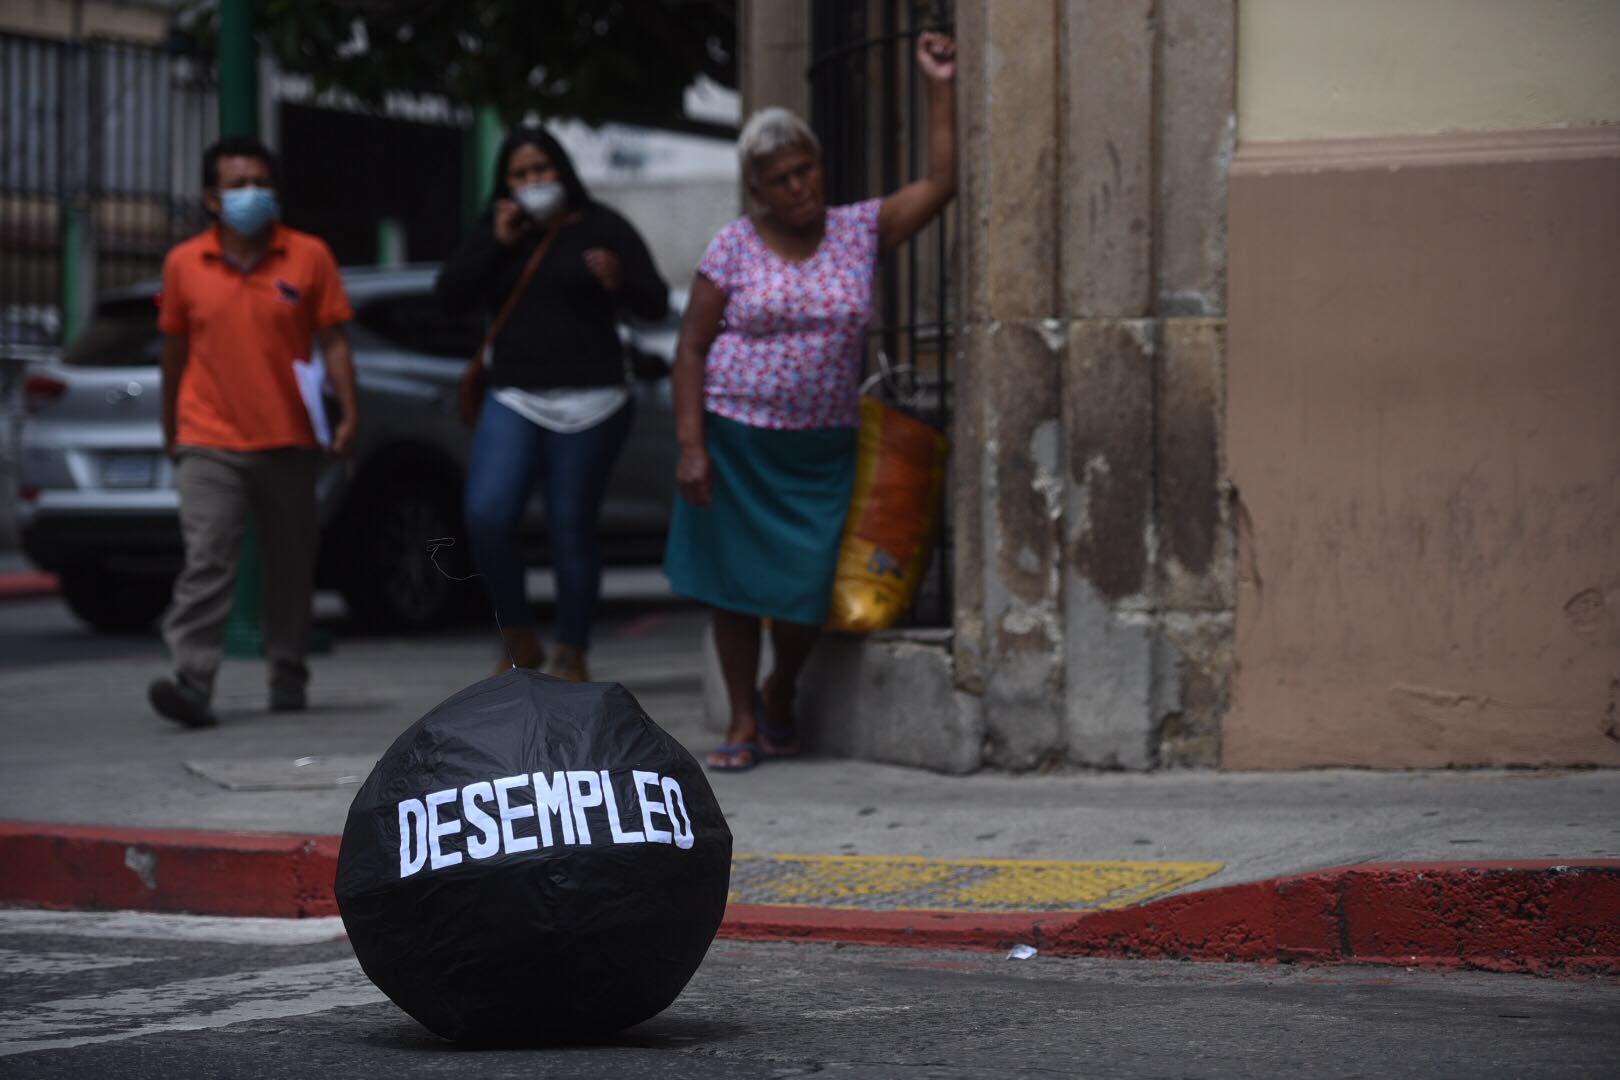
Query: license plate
(129, 470)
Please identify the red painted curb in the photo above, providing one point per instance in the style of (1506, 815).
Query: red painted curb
(1540, 916)
(27, 584)
(1537, 916)
(205, 873)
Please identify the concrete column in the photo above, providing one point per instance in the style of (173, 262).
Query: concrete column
(1110, 632)
(1093, 577)
(1197, 129)
(1106, 94)
(1196, 96)
(1007, 490)
(773, 49)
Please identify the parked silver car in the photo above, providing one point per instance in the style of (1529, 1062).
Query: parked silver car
(97, 504)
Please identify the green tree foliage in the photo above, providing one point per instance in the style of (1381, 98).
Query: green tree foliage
(627, 61)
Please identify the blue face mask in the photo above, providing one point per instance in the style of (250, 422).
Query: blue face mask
(248, 210)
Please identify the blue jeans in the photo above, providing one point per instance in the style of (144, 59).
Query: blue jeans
(507, 452)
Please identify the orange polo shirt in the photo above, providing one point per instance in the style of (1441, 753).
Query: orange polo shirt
(244, 330)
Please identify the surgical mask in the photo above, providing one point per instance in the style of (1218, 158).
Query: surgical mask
(248, 209)
(542, 200)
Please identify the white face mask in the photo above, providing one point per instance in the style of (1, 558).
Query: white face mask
(541, 201)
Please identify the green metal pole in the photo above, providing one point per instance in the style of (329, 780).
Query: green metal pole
(390, 242)
(75, 224)
(75, 233)
(489, 142)
(244, 630)
(238, 66)
(478, 166)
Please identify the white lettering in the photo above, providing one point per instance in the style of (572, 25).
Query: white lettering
(578, 781)
(650, 806)
(412, 823)
(564, 795)
(552, 798)
(513, 843)
(475, 816)
(612, 802)
(437, 829)
(681, 822)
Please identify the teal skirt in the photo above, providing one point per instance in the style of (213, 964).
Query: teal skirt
(767, 544)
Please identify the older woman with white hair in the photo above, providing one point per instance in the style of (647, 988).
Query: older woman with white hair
(766, 382)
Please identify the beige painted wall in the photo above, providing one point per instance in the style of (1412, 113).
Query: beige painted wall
(1423, 378)
(1335, 68)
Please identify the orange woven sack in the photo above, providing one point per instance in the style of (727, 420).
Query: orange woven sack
(893, 519)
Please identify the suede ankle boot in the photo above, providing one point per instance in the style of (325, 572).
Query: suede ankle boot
(523, 650)
(569, 663)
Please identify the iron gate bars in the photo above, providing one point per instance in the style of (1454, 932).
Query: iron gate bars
(866, 107)
(100, 144)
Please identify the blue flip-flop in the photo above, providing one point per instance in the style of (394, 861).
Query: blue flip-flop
(732, 750)
(778, 735)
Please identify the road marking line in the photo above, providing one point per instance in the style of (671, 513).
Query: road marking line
(853, 1010)
(15, 962)
(189, 1005)
(912, 883)
(224, 929)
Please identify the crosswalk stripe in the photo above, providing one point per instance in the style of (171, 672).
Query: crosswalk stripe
(186, 1005)
(225, 930)
(15, 962)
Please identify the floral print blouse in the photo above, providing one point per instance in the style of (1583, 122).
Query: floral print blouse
(789, 355)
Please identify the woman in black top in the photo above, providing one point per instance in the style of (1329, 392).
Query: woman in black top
(557, 403)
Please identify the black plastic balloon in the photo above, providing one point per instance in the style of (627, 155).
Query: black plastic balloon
(563, 869)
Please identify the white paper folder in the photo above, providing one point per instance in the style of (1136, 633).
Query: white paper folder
(311, 376)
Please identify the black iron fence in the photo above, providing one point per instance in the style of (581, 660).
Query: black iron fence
(100, 145)
(867, 107)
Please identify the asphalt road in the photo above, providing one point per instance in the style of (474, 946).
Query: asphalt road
(138, 996)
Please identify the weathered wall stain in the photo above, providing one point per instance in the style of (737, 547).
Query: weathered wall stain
(1585, 611)
(1108, 423)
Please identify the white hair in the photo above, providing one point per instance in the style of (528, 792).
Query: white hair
(768, 132)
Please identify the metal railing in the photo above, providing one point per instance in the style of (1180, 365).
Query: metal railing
(100, 144)
(866, 106)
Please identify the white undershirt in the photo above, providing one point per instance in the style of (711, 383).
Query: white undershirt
(565, 410)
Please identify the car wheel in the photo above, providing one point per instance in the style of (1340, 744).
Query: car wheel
(113, 603)
(393, 585)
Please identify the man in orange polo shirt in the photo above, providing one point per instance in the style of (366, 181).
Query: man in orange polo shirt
(240, 303)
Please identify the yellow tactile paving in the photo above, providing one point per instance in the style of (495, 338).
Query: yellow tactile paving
(891, 883)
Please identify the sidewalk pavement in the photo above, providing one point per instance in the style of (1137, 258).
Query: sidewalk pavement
(1515, 870)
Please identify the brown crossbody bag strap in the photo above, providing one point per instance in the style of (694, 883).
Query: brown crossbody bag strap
(473, 380)
(517, 290)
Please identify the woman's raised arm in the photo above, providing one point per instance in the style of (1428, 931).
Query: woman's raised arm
(915, 205)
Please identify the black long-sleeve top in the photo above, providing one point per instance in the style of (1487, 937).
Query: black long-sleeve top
(561, 332)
